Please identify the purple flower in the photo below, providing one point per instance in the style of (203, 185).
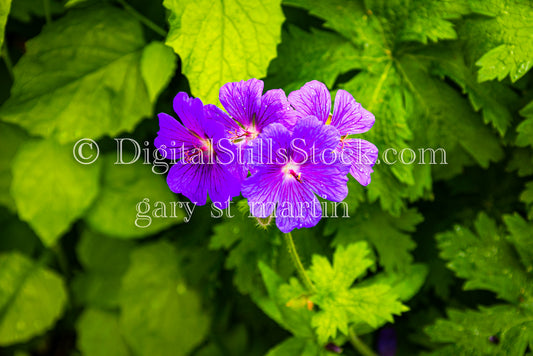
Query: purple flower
(349, 117)
(203, 160)
(290, 169)
(250, 112)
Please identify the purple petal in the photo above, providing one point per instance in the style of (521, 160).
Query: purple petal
(275, 108)
(328, 181)
(362, 156)
(212, 112)
(190, 180)
(315, 139)
(312, 99)
(223, 186)
(173, 137)
(191, 112)
(242, 99)
(349, 117)
(262, 190)
(270, 147)
(298, 207)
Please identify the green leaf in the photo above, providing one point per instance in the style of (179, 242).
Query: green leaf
(525, 129)
(158, 64)
(105, 261)
(521, 236)
(247, 245)
(159, 313)
(502, 42)
(486, 259)
(32, 298)
(99, 334)
(388, 235)
(297, 346)
(134, 202)
(11, 138)
(413, 107)
(4, 12)
(222, 41)
(371, 304)
(50, 188)
(470, 331)
(305, 56)
(16, 235)
(495, 99)
(25, 10)
(74, 74)
(527, 198)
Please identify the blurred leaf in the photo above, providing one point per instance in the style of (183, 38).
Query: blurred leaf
(25, 10)
(389, 235)
(305, 56)
(51, 190)
(222, 41)
(159, 313)
(501, 41)
(527, 198)
(121, 209)
(32, 298)
(99, 334)
(16, 235)
(525, 129)
(296, 346)
(75, 74)
(4, 12)
(11, 138)
(158, 64)
(105, 261)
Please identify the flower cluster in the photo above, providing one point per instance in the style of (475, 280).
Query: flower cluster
(280, 152)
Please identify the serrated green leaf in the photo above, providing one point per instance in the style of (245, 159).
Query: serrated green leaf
(304, 56)
(387, 234)
(50, 188)
(222, 41)
(525, 129)
(121, 209)
(486, 259)
(470, 331)
(527, 198)
(99, 334)
(32, 298)
(74, 74)
(502, 42)
(160, 314)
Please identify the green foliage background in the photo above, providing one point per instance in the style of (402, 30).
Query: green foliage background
(441, 256)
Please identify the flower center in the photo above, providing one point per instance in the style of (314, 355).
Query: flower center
(291, 170)
(246, 134)
(201, 153)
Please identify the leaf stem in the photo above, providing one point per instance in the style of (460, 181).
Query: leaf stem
(147, 22)
(359, 345)
(289, 242)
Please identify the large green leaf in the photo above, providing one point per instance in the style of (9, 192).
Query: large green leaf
(82, 77)
(11, 137)
(160, 314)
(32, 298)
(50, 188)
(223, 40)
(134, 201)
(99, 334)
